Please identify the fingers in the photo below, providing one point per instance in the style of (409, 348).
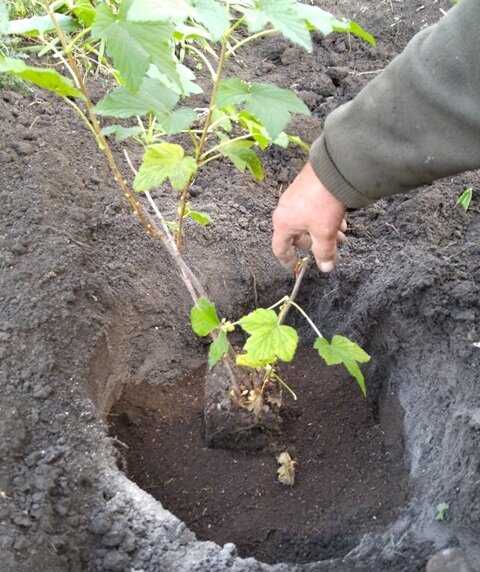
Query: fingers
(324, 250)
(343, 226)
(283, 248)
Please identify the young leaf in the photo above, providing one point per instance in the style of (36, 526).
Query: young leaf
(204, 318)
(271, 105)
(152, 97)
(213, 16)
(218, 349)
(164, 161)
(201, 218)
(43, 77)
(284, 16)
(441, 513)
(133, 46)
(41, 25)
(244, 157)
(341, 350)
(356, 30)
(177, 121)
(84, 12)
(268, 340)
(465, 198)
(122, 133)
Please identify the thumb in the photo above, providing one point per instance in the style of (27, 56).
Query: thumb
(325, 252)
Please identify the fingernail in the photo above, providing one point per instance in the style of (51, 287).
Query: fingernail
(326, 266)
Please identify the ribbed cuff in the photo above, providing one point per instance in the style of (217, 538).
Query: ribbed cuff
(331, 177)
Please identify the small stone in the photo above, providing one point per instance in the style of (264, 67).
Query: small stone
(115, 560)
(23, 148)
(323, 85)
(337, 74)
(41, 391)
(291, 55)
(101, 524)
(449, 560)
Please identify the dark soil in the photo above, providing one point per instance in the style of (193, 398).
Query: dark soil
(89, 304)
(348, 481)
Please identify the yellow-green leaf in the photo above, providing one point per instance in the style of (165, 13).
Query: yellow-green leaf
(164, 161)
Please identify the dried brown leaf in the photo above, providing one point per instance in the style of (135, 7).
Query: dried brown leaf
(286, 471)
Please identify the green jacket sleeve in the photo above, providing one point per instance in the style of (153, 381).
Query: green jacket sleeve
(416, 122)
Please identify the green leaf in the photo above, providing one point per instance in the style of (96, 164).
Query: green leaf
(155, 10)
(218, 349)
(133, 46)
(269, 104)
(356, 30)
(284, 16)
(204, 318)
(152, 97)
(232, 91)
(256, 129)
(441, 513)
(184, 86)
(4, 24)
(213, 15)
(327, 23)
(273, 106)
(122, 133)
(341, 350)
(268, 340)
(178, 121)
(199, 217)
(45, 78)
(244, 360)
(84, 12)
(244, 157)
(465, 198)
(41, 24)
(295, 140)
(164, 161)
(222, 120)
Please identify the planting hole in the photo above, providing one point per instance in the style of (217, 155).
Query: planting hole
(350, 477)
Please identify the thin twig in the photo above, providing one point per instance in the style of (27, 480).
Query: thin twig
(296, 287)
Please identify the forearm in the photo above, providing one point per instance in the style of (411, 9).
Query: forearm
(418, 121)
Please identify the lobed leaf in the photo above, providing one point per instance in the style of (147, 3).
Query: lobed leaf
(213, 15)
(268, 340)
(244, 157)
(204, 318)
(163, 161)
(272, 106)
(40, 25)
(284, 16)
(45, 78)
(341, 350)
(218, 349)
(135, 45)
(152, 97)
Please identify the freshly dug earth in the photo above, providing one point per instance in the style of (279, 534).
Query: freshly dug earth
(88, 304)
(350, 473)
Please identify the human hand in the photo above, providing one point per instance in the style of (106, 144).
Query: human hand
(308, 217)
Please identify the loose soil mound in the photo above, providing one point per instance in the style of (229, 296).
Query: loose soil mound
(350, 476)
